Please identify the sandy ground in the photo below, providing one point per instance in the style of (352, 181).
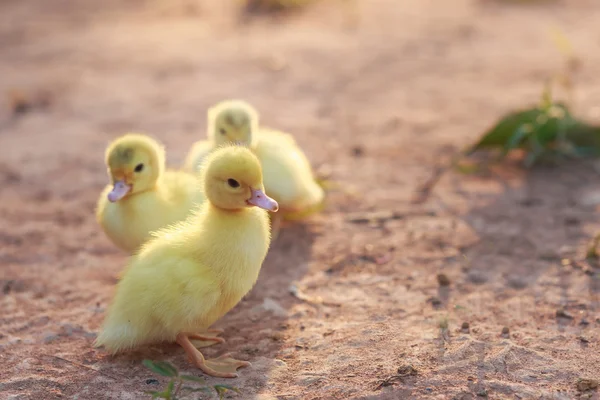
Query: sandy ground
(377, 103)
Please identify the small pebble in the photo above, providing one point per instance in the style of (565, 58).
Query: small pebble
(407, 370)
(50, 337)
(435, 301)
(477, 277)
(358, 151)
(443, 280)
(561, 313)
(583, 339)
(277, 336)
(584, 385)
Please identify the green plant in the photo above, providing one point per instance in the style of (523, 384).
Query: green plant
(592, 251)
(547, 131)
(177, 385)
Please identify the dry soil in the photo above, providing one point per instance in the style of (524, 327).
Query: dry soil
(378, 96)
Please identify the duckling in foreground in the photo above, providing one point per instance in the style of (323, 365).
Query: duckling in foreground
(143, 197)
(189, 275)
(287, 173)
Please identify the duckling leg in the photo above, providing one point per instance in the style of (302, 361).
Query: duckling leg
(220, 367)
(206, 339)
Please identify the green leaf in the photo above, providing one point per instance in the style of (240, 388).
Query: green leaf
(170, 387)
(546, 101)
(222, 389)
(193, 378)
(499, 135)
(161, 367)
(517, 138)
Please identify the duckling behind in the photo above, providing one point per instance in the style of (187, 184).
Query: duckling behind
(287, 172)
(229, 122)
(189, 275)
(143, 196)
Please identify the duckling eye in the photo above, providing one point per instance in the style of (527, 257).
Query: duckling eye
(222, 131)
(139, 168)
(233, 183)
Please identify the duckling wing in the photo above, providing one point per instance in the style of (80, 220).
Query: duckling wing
(183, 190)
(197, 154)
(287, 173)
(160, 295)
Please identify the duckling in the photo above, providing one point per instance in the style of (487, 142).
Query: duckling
(143, 197)
(189, 275)
(287, 173)
(232, 121)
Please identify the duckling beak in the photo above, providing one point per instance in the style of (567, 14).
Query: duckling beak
(119, 191)
(260, 199)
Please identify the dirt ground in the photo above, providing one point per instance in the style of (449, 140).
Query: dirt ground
(377, 99)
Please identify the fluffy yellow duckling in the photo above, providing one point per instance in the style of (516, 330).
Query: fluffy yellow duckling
(189, 275)
(143, 197)
(287, 172)
(232, 121)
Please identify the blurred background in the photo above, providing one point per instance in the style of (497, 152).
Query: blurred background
(378, 93)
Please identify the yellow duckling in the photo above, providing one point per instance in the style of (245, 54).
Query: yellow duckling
(287, 173)
(143, 197)
(189, 275)
(228, 122)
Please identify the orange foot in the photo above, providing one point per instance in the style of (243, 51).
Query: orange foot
(206, 339)
(220, 367)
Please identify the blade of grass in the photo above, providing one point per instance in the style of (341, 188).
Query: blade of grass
(161, 367)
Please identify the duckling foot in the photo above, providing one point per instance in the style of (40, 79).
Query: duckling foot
(206, 339)
(226, 365)
(220, 367)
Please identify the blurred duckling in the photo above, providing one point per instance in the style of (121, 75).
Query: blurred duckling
(143, 197)
(233, 121)
(189, 275)
(287, 173)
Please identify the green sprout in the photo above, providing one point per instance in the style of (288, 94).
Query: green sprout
(547, 131)
(177, 386)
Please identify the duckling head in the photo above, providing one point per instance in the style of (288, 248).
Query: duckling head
(232, 121)
(233, 180)
(134, 163)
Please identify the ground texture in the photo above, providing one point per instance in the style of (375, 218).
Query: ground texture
(378, 96)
